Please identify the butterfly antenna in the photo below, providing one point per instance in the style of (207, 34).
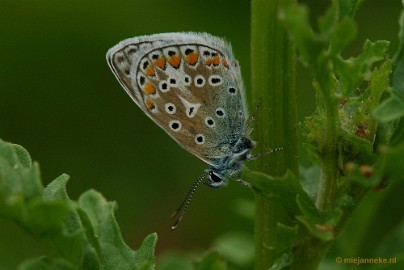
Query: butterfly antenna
(257, 108)
(180, 212)
(252, 117)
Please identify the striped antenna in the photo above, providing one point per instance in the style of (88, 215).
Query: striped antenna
(180, 212)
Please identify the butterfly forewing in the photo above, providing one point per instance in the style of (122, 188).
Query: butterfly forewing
(189, 84)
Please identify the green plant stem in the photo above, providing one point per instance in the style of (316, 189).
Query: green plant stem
(329, 146)
(273, 84)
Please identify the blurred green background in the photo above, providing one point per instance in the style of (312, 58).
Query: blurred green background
(59, 99)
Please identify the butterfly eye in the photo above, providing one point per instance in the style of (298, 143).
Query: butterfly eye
(216, 180)
(214, 177)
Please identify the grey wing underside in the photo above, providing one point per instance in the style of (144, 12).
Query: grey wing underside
(124, 60)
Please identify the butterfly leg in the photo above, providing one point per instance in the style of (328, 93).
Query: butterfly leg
(270, 151)
(241, 181)
(245, 183)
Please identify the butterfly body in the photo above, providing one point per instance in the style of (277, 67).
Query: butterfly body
(230, 164)
(190, 85)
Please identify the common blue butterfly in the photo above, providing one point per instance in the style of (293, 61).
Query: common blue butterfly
(190, 85)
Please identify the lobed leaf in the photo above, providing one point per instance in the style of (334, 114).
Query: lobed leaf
(282, 190)
(83, 235)
(348, 8)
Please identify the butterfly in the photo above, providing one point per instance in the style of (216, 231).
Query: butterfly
(190, 85)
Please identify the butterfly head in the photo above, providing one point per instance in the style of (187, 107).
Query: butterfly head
(230, 164)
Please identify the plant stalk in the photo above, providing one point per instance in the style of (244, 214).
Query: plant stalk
(329, 163)
(273, 62)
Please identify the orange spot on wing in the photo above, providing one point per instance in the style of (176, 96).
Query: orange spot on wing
(192, 58)
(149, 88)
(150, 71)
(161, 63)
(175, 61)
(208, 62)
(225, 64)
(216, 60)
(149, 104)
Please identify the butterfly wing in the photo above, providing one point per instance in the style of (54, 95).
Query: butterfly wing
(187, 83)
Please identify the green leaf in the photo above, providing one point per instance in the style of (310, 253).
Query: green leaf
(282, 262)
(19, 182)
(45, 263)
(237, 248)
(398, 62)
(327, 23)
(144, 256)
(286, 191)
(82, 236)
(343, 34)
(56, 190)
(80, 249)
(282, 190)
(320, 225)
(211, 261)
(285, 240)
(348, 8)
(23, 155)
(353, 71)
(23, 202)
(391, 109)
(372, 52)
(296, 20)
(309, 178)
(44, 217)
(379, 83)
(115, 253)
(356, 149)
(357, 119)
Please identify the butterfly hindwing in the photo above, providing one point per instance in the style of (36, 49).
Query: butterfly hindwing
(189, 84)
